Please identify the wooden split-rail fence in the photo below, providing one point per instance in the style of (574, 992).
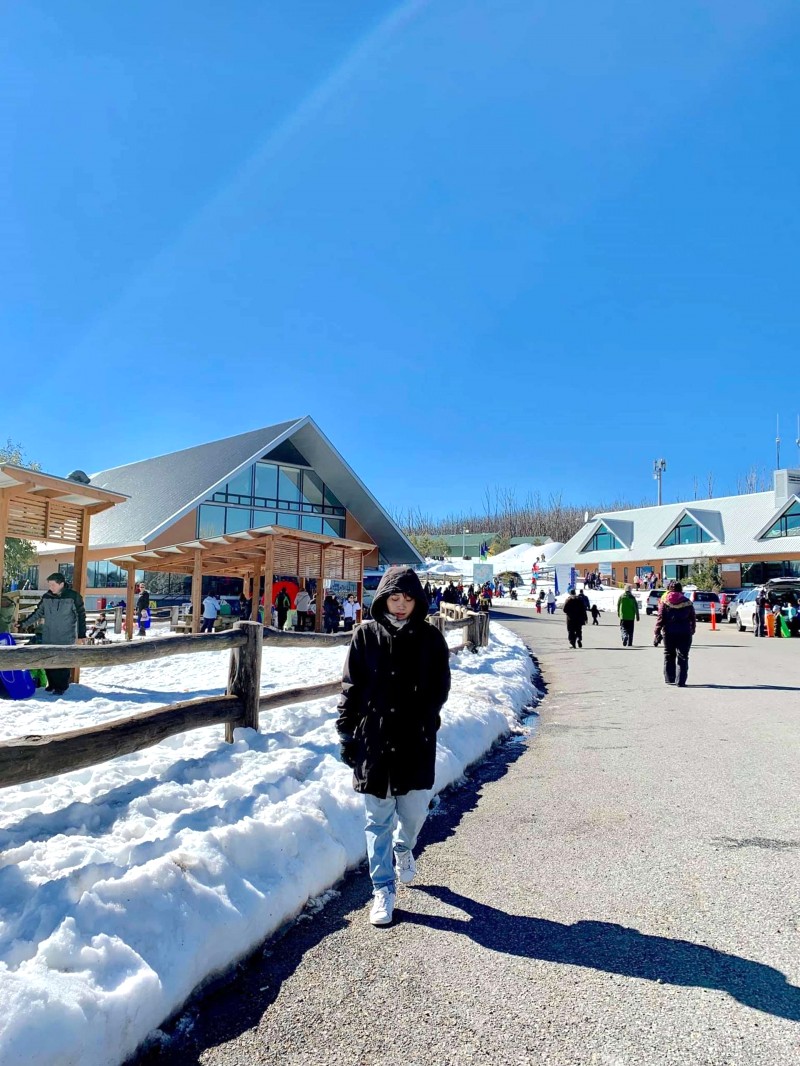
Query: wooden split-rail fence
(33, 757)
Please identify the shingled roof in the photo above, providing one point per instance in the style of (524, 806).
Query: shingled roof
(165, 488)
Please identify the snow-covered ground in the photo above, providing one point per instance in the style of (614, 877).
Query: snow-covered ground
(125, 885)
(519, 559)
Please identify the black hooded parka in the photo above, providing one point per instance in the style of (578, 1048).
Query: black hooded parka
(394, 684)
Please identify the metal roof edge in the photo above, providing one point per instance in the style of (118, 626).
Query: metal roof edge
(271, 443)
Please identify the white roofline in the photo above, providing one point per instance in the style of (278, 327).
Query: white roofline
(794, 498)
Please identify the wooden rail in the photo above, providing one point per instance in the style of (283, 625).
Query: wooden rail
(30, 758)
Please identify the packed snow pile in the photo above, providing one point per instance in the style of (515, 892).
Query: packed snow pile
(518, 559)
(125, 885)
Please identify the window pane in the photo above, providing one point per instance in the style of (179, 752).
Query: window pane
(312, 525)
(331, 500)
(334, 527)
(290, 521)
(289, 484)
(237, 519)
(242, 484)
(312, 487)
(266, 480)
(263, 518)
(211, 521)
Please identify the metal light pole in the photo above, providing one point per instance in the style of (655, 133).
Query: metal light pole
(659, 466)
(464, 543)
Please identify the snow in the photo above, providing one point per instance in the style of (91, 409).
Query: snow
(124, 886)
(519, 558)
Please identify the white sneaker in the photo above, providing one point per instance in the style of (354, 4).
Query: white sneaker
(382, 907)
(405, 866)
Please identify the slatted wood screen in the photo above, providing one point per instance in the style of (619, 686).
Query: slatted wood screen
(39, 518)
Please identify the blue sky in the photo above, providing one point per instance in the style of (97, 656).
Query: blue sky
(509, 243)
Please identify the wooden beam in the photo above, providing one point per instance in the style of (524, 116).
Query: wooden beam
(320, 591)
(3, 533)
(79, 575)
(197, 589)
(360, 588)
(269, 574)
(60, 656)
(244, 678)
(290, 638)
(256, 590)
(130, 598)
(33, 758)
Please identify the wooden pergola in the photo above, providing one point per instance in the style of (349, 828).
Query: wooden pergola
(42, 507)
(250, 554)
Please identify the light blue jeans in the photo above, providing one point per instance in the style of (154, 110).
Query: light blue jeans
(392, 825)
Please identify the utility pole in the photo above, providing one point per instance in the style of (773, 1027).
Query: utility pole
(777, 442)
(464, 543)
(659, 466)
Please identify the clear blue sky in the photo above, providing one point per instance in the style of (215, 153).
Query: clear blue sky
(515, 243)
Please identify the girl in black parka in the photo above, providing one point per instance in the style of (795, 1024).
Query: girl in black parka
(396, 679)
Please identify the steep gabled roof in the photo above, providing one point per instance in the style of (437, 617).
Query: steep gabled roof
(710, 521)
(163, 489)
(784, 507)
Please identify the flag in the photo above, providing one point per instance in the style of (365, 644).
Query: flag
(555, 579)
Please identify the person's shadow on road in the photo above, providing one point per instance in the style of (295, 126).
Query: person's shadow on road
(615, 949)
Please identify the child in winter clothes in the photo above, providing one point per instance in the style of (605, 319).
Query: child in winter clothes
(595, 615)
(396, 680)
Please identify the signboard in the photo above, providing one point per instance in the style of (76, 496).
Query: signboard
(604, 569)
(729, 568)
(482, 572)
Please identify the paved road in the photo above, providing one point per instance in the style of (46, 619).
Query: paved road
(620, 891)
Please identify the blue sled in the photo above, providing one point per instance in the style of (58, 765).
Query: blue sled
(18, 683)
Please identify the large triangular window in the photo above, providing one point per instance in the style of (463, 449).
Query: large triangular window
(686, 531)
(603, 540)
(788, 525)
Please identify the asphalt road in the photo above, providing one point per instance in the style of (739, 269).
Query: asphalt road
(621, 890)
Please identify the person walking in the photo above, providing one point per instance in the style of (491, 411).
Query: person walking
(551, 602)
(211, 608)
(302, 603)
(676, 623)
(595, 615)
(628, 612)
(283, 605)
(575, 610)
(395, 681)
(64, 616)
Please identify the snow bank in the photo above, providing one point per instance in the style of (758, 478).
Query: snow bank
(125, 885)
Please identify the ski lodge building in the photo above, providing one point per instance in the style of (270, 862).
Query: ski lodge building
(219, 506)
(754, 537)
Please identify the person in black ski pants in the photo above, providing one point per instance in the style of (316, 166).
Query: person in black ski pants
(676, 624)
(575, 610)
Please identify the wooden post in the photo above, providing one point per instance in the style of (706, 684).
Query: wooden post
(360, 587)
(269, 574)
(174, 614)
(117, 619)
(256, 590)
(3, 533)
(79, 574)
(244, 677)
(197, 589)
(130, 604)
(320, 591)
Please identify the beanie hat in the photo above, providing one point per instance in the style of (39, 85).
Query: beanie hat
(59, 578)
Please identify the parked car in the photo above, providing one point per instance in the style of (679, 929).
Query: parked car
(703, 602)
(653, 597)
(779, 590)
(733, 606)
(726, 597)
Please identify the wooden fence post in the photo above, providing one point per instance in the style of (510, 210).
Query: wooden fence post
(174, 615)
(244, 676)
(117, 619)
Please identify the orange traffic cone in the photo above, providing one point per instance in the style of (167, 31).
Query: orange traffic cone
(713, 616)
